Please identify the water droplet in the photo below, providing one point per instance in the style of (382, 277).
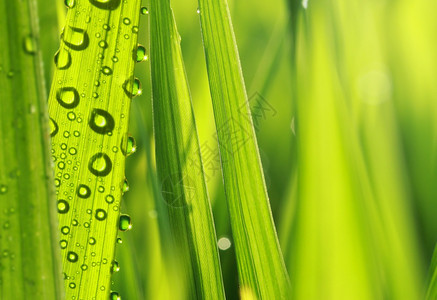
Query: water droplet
(72, 285)
(198, 10)
(144, 10)
(224, 243)
(126, 21)
(128, 145)
(119, 241)
(101, 189)
(101, 121)
(63, 207)
(29, 44)
(75, 38)
(83, 191)
(132, 87)
(109, 199)
(63, 244)
(103, 44)
(68, 97)
(62, 59)
(100, 214)
(106, 70)
(92, 241)
(100, 164)
(69, 3)
(3, 189)
(135, 29)
(125, 187)
(106, 27)
(141, 54)
(53, 128)
(115, 267)
(71, 116)
(65, 230)
(72, 256)
(114, 296)
(106, 4)
(84, 267)
(125, 223)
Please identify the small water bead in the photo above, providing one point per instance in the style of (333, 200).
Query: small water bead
(84, 267)
(63, 156)
(103, 44)
(63, 146)
(126, 21)
(63, 244)
(89, 211)
(69, 3)
(114, 296)
(124, 223)
(115, 59)
(106, 70)
(92, 241)
(101, 121)
(29, 44)
(71, 116)
(86, 225)
(65, 230)
(126, 36)
(109, 199)
(119, 241)
(63, 207)
(100, 214)
(115, 149)
(135, 29)
(68, 97)
(100, 164)
(66, 134)
(53, 128)
(101, 189)
(61, 165)
(106, 27)
(83, 191)
(75, 222)
(75, 38)
(72, 151)
(136, 88)
(95, 95)
(115, 267)
(72, 285)
(144, 10)
(141, 54)
(3, 189)
(57, 182)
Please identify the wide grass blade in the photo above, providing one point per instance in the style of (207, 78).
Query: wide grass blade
(89, 108)
(178, 159)
(30, 264)
(261, 268)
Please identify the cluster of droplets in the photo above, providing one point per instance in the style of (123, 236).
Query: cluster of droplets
(101, 122)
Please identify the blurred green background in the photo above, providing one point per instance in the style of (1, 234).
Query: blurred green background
(344, 102)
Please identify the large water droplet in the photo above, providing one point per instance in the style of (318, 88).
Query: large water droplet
(101, 121)
(29, 44)
(75, 38)
(132, 87)
(68, 97)
(141, 53)
(69, 3)
(100, 164)
(100, 214)
(53, 128)
(63, 207)
(144, 10)
(62, 59)
(125, 223)
(106, 4)
(128, 145)
(83, 191)
(114, 296)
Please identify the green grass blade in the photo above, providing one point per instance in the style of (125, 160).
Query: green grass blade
(178, 159)
(260, 263)
(432, 286)
(30, 258)
(89, 106)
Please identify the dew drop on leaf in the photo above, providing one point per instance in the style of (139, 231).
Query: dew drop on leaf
(103, 44)
(83, 191)
(69, 3)
(109, 199)
(63, 244)
(63, 207)
(114, 296)
(3, 189)
(101, 121)
(100, 164)
(115, 267)
(106, 4)
(62, 59)
(29, 44)
(53, 128)
(144, 10)
(125, 186)
(84, 267)
(100, 214)
(68, 97)
(65, 230)
(124, 223)
(92, 241)
(128, 145)
(106, 70)
(72, 256)
(75, 38)
(126, 21)
(72, 285)
(141, 54)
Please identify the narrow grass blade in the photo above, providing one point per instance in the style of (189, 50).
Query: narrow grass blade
(178, 159)
(432, 286)
(89, 108)
(260, 263)
(30, 262)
